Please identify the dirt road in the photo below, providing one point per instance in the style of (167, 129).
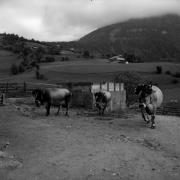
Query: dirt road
(84, 146)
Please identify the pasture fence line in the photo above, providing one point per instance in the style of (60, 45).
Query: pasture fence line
(21, 89)
(170, 109)
(25, 89)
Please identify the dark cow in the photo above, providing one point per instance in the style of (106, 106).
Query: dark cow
(52, 97)
(102, 99)
(150, 98)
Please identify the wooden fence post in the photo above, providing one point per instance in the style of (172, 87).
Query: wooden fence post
(7, 87)
(100, 86)
(2, 100)
(25, 86)
(107, 86)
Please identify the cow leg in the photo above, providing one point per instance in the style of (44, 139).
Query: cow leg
(153, 118)
(67, 103)
(99, 111)
(67, 108)
(153, 122)
(98, 108)
(103, 108)
(58, 110)
(48, 105)
(143, 115)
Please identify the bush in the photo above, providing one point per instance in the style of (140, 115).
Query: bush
(65, 58)
(49, 59)
(33, 64)
(92, 56)
(177, 75)
(24, 63)
(158, 69)
(175, 81)
(168, 72)
(21, 68)
(86, 54)
(37, 74)
(41, 76)
(14, 69)
(130, 80)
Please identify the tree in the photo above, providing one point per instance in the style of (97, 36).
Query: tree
(39, 54)
(21, 68)
(25, 52)
(158, 69)
(37, 71)
(86, 54)
(14, 69)
(130, 80)
(18, 46)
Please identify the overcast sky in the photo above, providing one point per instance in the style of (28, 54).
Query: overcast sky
(65, 20)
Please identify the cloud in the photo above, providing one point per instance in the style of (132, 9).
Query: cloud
(59, 20)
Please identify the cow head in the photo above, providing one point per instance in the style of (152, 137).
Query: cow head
(143, 91)
(38, 95)
(101, 100)
(98, 97)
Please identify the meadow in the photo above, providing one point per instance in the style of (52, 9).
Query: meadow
(94, 70)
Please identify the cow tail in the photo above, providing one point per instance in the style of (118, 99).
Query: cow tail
(68, 97)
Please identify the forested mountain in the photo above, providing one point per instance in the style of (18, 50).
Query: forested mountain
(152, 39)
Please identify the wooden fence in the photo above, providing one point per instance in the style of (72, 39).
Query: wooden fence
(170, 109)
(21, 89)
(25, 90)
(15, 89)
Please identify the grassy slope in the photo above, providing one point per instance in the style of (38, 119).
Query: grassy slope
(97, 67)
(6, 59)
(98, 70)
(92, 70)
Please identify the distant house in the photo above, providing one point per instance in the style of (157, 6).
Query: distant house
(118, 58)
(34, 47)
(72, 49)
(67, 52)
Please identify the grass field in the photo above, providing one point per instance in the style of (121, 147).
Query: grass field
(96, 70)
(99, 67)
(6, 60)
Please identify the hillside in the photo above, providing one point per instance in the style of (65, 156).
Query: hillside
(20, 53)
(152, 39)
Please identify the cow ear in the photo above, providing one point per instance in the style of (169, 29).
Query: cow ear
(150, 84)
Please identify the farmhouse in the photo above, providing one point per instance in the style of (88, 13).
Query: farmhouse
(118, 58)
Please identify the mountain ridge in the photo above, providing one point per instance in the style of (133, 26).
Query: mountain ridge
(153, 39)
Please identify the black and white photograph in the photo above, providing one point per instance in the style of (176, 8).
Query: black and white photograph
(90, 90)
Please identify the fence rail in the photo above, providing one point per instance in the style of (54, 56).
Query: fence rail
(168, 109)
(21, 89)
(25, 90)
(171, 109)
